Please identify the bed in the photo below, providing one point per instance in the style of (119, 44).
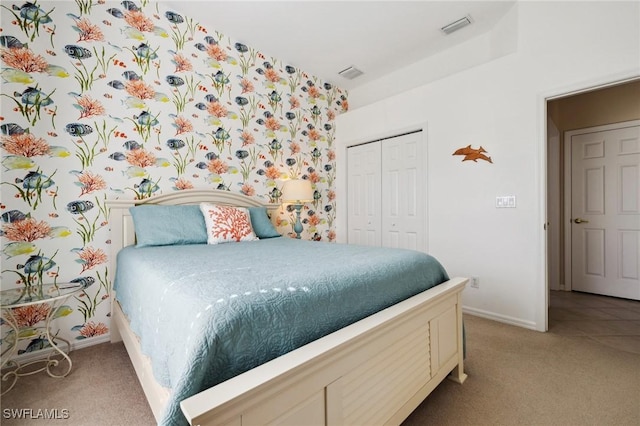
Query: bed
(370, 354)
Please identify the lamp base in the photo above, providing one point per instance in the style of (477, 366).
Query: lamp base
(297, 227)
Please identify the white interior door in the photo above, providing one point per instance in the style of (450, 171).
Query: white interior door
(404, 192)
(605, 211)
(363, 192)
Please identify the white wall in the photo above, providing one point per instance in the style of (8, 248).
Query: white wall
(561, 47)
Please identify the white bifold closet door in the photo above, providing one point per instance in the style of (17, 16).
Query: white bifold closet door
(388, 192)
(364, 194)
(403, 192)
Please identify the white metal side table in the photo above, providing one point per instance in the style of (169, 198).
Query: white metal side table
(51, 295)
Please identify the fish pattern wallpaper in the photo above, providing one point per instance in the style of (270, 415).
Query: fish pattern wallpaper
(124, 100)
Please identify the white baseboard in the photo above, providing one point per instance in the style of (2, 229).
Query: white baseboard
(75, 344)
(500, 318)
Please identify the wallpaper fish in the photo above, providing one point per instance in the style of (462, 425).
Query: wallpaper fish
(104, 99)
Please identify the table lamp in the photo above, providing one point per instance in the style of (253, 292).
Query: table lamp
(297, 192)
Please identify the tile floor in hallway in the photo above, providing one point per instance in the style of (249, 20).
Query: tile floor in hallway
(608, 320)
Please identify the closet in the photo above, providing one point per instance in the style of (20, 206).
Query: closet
(387, 192)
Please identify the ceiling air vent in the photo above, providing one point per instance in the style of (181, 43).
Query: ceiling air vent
(455, 26)
(351, 72)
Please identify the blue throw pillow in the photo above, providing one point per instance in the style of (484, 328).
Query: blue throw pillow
(158, 225)
(261, 224)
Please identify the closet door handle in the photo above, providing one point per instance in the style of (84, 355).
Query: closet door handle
(578, 220)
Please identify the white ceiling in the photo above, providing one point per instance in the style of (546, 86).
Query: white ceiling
(325, 37)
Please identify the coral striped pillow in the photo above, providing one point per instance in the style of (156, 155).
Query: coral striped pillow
(227, 224)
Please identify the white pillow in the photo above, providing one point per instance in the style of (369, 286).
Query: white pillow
(227, 224)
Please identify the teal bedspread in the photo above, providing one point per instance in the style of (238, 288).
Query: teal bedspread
(206, 313)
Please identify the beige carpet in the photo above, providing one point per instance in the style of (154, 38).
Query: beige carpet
(101, 390)
(516, 377)
(523, 377)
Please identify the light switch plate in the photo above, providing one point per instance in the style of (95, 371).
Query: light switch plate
(506, 202)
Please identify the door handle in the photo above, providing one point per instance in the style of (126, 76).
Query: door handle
(578, 220)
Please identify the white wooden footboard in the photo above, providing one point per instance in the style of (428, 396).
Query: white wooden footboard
(376, 371)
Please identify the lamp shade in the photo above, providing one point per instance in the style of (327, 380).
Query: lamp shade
(297, 191)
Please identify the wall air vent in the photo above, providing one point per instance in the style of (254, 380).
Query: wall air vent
(351, 72)
(455, 26)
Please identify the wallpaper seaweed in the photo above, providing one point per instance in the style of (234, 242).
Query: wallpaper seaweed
(103, 100)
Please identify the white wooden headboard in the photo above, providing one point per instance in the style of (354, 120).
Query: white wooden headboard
(121, 222)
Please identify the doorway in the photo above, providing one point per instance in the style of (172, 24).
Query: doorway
(589, 108)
